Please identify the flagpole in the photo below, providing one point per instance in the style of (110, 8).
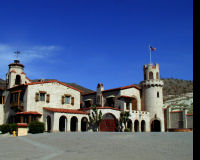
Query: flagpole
(150, 53)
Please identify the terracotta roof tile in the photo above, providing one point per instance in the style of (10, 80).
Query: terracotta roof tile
(53, 81)
(106, 107)
(175, 111)
(125, 87)
(22, 125)
(29, 113)
(73, 111)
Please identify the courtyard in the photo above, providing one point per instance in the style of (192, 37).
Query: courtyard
(98, 146)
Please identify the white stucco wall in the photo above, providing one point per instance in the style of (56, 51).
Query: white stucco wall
(133, 92)
(56, 91)
(1, 114)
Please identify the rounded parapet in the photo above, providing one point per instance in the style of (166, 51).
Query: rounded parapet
(152, 83)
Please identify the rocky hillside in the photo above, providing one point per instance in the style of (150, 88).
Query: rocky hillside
(178, 94)
(176, 87)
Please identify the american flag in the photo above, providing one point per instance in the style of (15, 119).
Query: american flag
(152, 49)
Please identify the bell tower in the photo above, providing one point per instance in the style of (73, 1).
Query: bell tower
(16, 75)
(152, 88)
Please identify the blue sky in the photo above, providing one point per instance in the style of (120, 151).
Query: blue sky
(92, 41)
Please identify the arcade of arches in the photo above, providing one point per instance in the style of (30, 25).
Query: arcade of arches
(109, 124)
(68, 124)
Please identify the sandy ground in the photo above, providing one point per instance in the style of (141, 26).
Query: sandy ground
(98, 146)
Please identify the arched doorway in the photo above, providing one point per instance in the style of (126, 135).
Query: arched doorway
(84, 124)
(109, 123)
(48, 124)
(74, 124)
(155, 126)
(143, 128)
(129, 125)
(62, 124)
(136, 126)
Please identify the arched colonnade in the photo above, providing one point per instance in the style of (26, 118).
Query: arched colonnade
(67, 124)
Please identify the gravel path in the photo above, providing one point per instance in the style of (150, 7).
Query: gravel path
(98, 146)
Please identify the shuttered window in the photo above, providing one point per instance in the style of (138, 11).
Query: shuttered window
(48, 98)
(63, 99)
(42, 96)
(67, 100)
(37, 97)
(72, 101)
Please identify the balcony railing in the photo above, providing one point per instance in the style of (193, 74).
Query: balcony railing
(17, 104)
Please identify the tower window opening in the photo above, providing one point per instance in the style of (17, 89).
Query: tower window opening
(158, 95)
(145, 76)
(150, 75)
(157, 75)
(18, 80)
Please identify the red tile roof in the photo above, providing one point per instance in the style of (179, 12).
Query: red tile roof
(13, 71)
(106, 107)
(114, 89)
(22, 125)
(16, 64)
(61, 110)
(54, 81)
(125, 87)
(89, 93)
(189, 114)
(123, 96)
(29, 113)
(16, 91)
(175, 111)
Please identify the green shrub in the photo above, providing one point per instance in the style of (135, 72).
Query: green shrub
(127, 130)
(12, 127)
(36, 127)
(4, 128)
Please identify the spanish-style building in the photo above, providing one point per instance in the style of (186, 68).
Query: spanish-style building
(65, 108)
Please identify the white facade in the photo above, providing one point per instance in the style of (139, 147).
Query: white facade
(63, 108)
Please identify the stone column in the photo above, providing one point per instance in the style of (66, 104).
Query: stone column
(79, 125)
(68, 124)
(65, 124)
(168, 118)
(184, 118)
(29, 118)
(139, 125)
(21, 119)
(124, 107)
(130, 108)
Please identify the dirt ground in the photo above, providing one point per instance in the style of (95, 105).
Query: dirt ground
(98, 146)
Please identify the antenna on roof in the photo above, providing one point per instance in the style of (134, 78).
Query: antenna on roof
(17, 53)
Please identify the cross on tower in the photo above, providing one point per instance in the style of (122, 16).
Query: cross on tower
(17, 53)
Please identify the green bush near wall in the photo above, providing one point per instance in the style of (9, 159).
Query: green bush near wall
(12, 127)
(4, 128)
(36, 127)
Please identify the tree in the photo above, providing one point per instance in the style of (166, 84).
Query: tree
(95, 118)
(124, 118)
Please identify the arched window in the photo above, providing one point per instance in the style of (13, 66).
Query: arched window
(150, 75)
(18, 80)
(157, 75)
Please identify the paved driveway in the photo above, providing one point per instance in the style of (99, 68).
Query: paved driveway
(98, 146)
